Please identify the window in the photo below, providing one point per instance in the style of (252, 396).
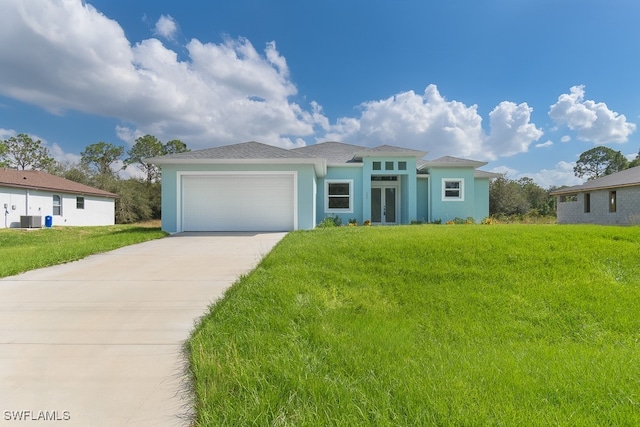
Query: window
(569, 198)
(612, 201)
(79, 202)
(377, 166)
(453, 189)
(587, 202)
(388, 166)
(402, 166)
(57, 206)
(339, 195)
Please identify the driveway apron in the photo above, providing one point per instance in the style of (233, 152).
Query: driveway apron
(99, 342)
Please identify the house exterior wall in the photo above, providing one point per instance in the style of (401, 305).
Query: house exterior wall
(627, 208)
(481, 199)
(407, 180)
(353, 173)
(423, 199)
(306, 185)
(447, 210)
(19, 201)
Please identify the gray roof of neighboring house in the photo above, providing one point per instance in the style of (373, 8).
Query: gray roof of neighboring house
(244, 151)
(626, 178)
(38, 180)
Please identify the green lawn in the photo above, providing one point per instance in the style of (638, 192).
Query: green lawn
(428, 325)
(23, 250)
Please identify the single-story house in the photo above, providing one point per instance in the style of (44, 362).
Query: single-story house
(257, 187)
(611, 199)
(37, 194)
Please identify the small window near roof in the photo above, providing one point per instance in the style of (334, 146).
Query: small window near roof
(388, 166)
(377, 166)
(402, 166)
(79, 202)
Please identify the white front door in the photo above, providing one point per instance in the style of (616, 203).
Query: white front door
(384, 203)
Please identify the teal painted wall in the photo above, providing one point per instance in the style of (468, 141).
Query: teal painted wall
(306, 180)
(481, 198)
(423, 200)
(352, 173)
(447, 210)
(407, 180)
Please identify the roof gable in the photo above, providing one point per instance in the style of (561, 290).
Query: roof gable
(38, 180)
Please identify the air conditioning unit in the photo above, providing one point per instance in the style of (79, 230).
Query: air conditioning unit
(30, 221)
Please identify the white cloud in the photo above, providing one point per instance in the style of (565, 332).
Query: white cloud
(166, 27)
(561, 174)
(549, 143)
(565, 138)
(593, 121)
(78, 59)
(430, 122)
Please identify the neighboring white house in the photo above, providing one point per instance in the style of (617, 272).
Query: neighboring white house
(611, 199)
(36, 194)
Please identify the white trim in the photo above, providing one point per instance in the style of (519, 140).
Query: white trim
(461, 190)
(398, 196)
(180, 174)
(326, 195)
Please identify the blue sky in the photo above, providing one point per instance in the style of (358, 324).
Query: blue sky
(526, 85)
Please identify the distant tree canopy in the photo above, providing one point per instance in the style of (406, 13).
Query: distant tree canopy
(598, 162)
(519, 197)
(149, 146)
(22, 152)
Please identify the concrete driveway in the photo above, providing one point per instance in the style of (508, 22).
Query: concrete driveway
(98, 342)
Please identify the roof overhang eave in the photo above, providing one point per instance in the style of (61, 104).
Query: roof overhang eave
(319, 165)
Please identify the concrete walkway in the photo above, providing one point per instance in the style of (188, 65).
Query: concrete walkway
(98, 342)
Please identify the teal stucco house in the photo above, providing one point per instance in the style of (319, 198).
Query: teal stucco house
(257, 187)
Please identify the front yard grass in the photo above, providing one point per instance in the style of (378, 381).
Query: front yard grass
(23, 250)
(428, 325)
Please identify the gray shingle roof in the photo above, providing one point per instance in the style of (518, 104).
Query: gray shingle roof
(448, 161)
(38, 180)
(334, 152)
(244, 150)
(625, 178)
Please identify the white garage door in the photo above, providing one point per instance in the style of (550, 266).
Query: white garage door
(251, 202)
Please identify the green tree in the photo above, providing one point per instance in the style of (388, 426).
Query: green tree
(150, 146)
(598, 162)
(100, 157)
(635, 162)
(144, 147)
(506, 197)
(22, 152)
(175, 146)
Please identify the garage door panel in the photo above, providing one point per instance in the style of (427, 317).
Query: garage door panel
(238, 203)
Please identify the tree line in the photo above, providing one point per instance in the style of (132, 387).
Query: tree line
(99, 166)
(509, 197)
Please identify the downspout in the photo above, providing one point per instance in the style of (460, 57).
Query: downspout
(26, 201)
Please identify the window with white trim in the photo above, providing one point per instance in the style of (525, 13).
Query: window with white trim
(453, 189)
(338, 195)
(79, 202)
(57, 205)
